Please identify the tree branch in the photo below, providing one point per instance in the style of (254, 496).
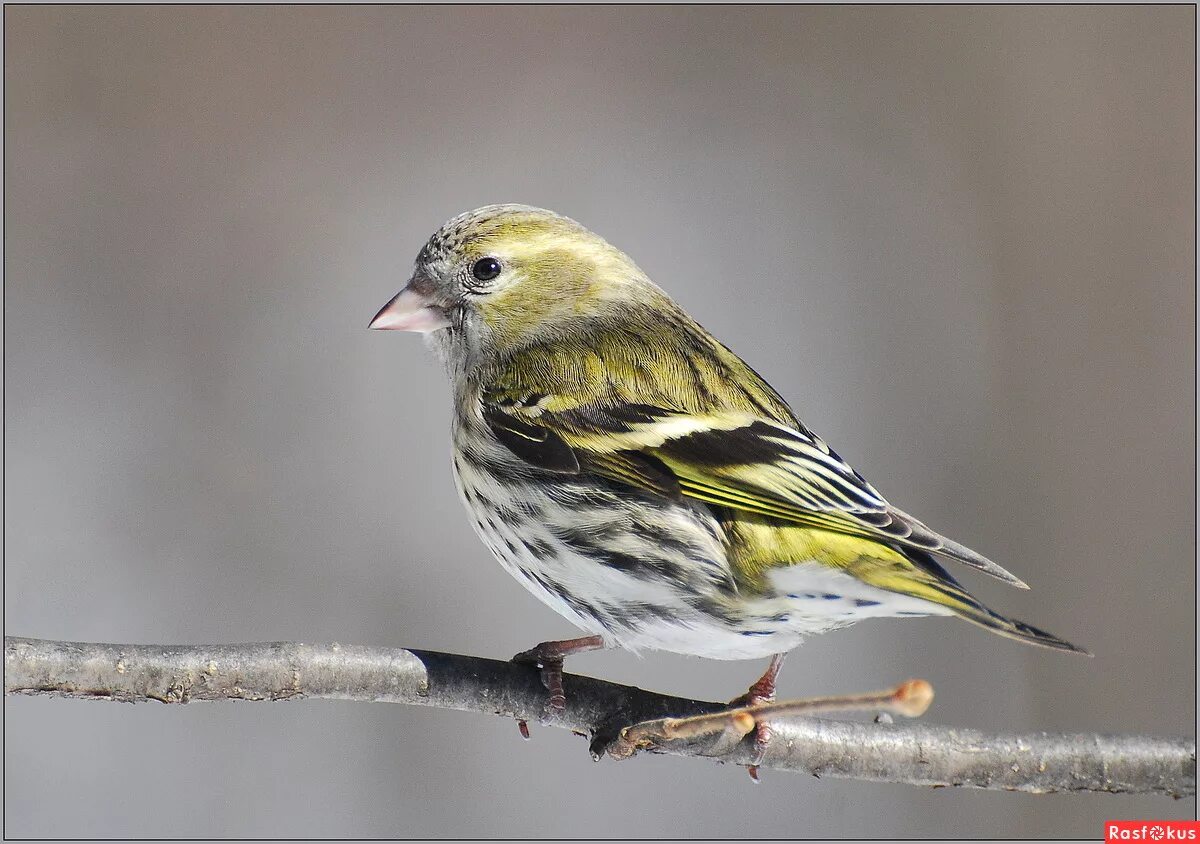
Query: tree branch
(910, 753)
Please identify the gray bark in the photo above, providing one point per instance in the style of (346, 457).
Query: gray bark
(918, 754)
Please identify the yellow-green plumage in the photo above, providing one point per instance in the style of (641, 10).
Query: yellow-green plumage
(583, 392)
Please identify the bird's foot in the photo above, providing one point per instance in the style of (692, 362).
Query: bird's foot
(551, 672)
(762, 727)
(762, 691)
(548, 658)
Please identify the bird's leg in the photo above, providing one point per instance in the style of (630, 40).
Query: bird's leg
(762, 691)
(548, 658)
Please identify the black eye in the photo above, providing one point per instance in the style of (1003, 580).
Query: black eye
(485, 269)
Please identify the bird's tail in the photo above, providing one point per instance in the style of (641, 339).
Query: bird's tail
(977, 613)
(930, 582)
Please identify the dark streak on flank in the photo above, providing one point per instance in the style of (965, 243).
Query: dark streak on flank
(660, 537)
(591, 544)
(540, 549)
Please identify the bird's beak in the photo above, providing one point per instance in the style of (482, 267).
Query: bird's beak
(410, 310)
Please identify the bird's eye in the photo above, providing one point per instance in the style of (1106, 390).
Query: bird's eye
(485, 269)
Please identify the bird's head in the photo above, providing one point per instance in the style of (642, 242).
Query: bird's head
(503, 277)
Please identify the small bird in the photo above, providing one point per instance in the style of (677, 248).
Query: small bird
(641, 479)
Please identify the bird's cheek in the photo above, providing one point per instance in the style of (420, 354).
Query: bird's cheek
(409, 310)
(512, 318)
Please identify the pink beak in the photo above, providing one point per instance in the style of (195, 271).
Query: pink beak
(409, 311)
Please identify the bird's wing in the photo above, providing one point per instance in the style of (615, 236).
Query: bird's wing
(730, 458)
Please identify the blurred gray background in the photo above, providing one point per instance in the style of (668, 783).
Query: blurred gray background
(959, 240)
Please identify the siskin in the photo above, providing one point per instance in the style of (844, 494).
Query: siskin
(638, 477)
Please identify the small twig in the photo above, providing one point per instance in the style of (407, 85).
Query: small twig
(909, 699)
(918, 754)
